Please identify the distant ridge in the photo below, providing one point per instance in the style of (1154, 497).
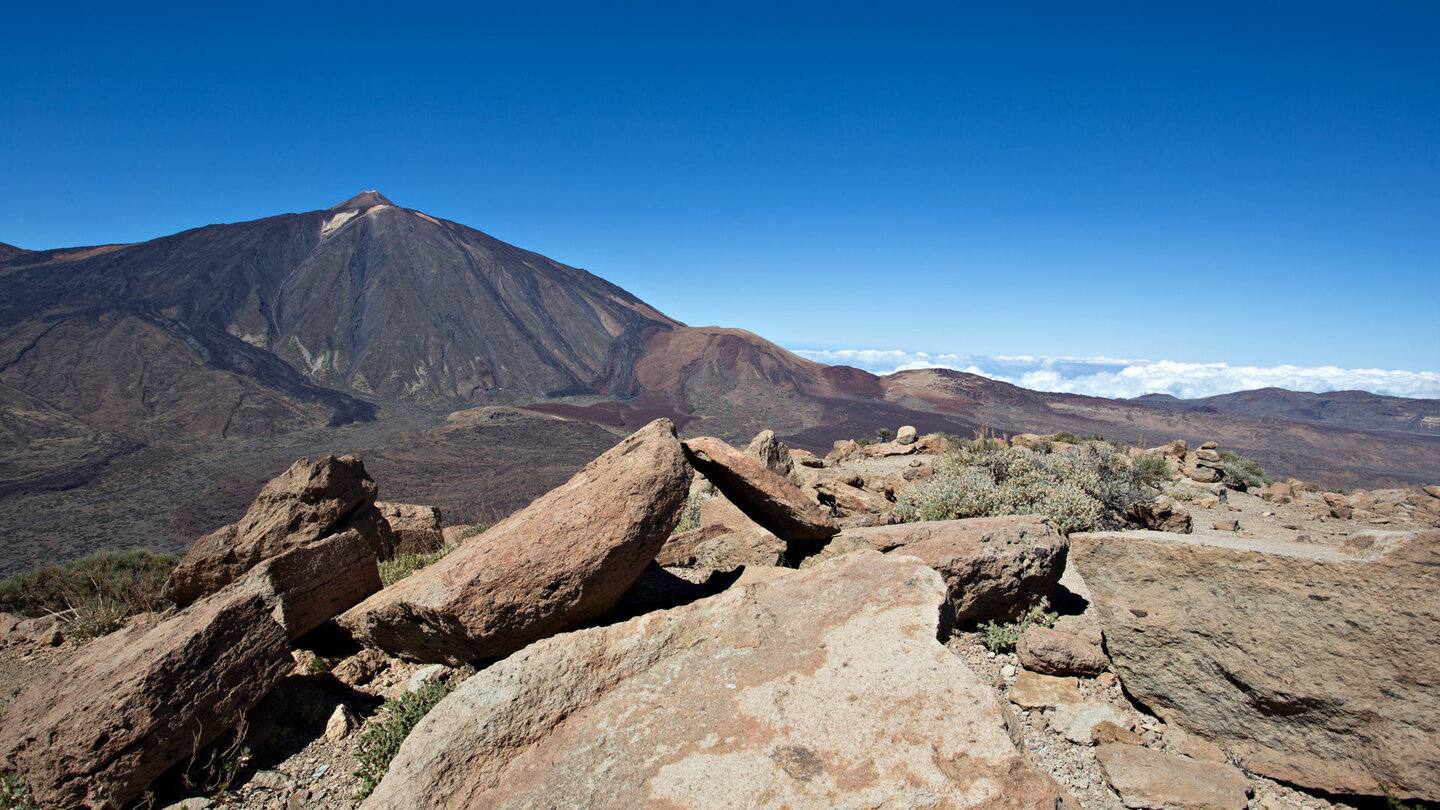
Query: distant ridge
(361, 201)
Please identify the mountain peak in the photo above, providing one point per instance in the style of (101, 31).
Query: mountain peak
(363, 200)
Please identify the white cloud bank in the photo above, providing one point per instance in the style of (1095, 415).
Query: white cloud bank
(1122, 379)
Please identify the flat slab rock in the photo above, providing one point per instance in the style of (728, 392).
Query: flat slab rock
(562, 561)
(1154, 780)
(1314, 667)
(817, 688)
(993, 567)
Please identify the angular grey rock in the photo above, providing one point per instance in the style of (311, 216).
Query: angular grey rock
(817, 688)
(1315, 667)
(773, 454)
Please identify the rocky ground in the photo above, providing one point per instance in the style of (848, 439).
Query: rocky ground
(1084, 730)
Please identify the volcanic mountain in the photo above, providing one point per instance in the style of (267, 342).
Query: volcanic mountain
(471, 374)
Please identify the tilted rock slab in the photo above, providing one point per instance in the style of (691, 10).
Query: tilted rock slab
(994, 567)
(310, 585)
(769, 500)
(817, 688)
(1314, 667)
(301, 505)
(135, 703)
(559, 563)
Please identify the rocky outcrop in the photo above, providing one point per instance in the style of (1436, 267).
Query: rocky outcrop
(994, 567)
(1162, 514)
(135, 703)
(1312, 666)
(416, 529)
(818, 688)
(561, 562)
(769, 500)
(301, 505)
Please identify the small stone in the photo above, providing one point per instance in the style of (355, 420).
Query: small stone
(1106, 680)
(1076, 721)
(427, 675)
(1226, 525)
(1007, 671)
(1108, 732)
(342, 721)
(193, 803)
(1433, 491)
(1208, 502)
(1157, 781)
(299, 800)
(906, 435)
(272, 780)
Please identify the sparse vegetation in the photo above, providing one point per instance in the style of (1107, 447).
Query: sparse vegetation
(999, 638)
(1070, 437)
(382, 736)
(884, 435)
(403, 565)
(211, 772)
(690, 513)
(1082, 491)
(1244, 471)
(14, 793)
(93, 595)
(1152, 467)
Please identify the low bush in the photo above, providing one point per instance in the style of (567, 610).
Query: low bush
(999, 638)
(14, 793)
(92, 595)
(1081, 491)
(403, 565)
(1244, 471)
(690, 513)
(1070, 437)
(381, 739)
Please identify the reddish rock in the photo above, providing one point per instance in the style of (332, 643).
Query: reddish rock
(559, 563)
(772, 453)
(993, 567)
(769, 500)
(303, 504)
(842, 450)
(135, 703)
(822, 688)
(1054, 652)
(310, 585)
(1154, 780)
(417, 529)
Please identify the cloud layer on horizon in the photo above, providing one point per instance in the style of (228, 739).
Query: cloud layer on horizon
(1123, 379)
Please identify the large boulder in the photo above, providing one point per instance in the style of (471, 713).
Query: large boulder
(818, 688)
(417, 529)
(310, 585)
(771, 501)
(1312, 666)
(137, 702)
(559, 563)
(994, 567)
(1163, 514)
(301, 505)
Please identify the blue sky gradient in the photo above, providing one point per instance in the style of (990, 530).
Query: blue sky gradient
(1252, 184)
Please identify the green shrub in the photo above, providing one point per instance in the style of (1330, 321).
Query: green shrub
(92, 595)
(1244, 471)
(999, 638)
(14, 793)
(1070, 437)
(1153, 466)
(381, 739)
(403, 565)
(690, 513)
(884, 435)
(1082, 491)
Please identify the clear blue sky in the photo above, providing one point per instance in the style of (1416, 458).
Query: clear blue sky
(1238, 182)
